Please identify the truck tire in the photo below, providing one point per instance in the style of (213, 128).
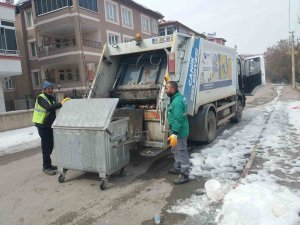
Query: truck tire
(211, 127)
(238, 113)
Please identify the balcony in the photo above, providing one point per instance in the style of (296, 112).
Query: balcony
(68, 46)
(60, 18)
(10, 63)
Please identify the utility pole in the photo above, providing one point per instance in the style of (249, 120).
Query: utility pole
(293, 60)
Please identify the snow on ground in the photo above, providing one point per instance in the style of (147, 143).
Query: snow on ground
(18, 140)
(261, 198)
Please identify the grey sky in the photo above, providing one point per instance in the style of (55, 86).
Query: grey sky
(253, 25)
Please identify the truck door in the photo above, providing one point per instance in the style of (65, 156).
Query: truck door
(253, 74)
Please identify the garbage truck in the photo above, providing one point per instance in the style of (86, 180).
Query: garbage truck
(213, 78)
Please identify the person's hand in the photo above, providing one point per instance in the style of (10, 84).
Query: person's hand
(173, 140)
(64, 100)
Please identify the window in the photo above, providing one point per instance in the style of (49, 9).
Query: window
(170, 30)
(127, 18)
(33, 49)
(36, 79)
(154, 26)
(90, 5)
(111, 12)
(7, 23)
(61, 75)
(45, 6)
(69, 74)
(162, 31)
(145, 24)
(9, 83)
(29, 19)
(8, 39)
(113, 38)
(127, 38)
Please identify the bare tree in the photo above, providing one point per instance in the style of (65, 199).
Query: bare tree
(278, 62)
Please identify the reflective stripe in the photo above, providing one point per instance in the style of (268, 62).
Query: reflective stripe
(39, 110)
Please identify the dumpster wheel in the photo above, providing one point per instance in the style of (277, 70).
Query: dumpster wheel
(61, 178)
(103, 184)
(123, 172)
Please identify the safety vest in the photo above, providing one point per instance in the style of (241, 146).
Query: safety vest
(39, 113)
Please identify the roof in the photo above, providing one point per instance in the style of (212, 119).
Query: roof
(215, 38)
(23, 3)
(132, 3)
(7, 3)
(164, 23)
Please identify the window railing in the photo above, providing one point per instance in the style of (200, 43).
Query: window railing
(70, 43)
(9, 52)
(91, 44)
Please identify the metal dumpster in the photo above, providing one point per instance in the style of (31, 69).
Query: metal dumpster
(87, 138)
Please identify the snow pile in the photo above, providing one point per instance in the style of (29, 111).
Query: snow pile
(18, 140)
(260, 204)
(275, 130)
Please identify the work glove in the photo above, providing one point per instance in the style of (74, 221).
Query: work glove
(173, 140)
(64, 100)
(167, 77)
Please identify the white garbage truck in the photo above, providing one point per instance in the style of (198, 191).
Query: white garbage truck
(213, 78)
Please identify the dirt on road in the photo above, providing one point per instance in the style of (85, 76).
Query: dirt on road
(29, 197)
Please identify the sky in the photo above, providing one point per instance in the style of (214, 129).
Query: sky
(252, 25)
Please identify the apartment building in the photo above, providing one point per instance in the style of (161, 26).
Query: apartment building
(10, 61)
(63, 39)
(217, 40)
(167, 27)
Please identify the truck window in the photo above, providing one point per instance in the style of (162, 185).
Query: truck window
(252, 66)
(130, 75)
(143, 68)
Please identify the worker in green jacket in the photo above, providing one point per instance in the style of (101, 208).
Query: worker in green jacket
(179, 129)
(43, 117)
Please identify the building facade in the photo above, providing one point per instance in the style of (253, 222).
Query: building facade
(10, 61)
(63, 39)
(167, 27)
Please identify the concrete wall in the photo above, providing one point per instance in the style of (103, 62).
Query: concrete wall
(298, 86)
(15, 120)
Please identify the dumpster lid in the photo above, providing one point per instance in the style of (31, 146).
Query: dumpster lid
(94, 113)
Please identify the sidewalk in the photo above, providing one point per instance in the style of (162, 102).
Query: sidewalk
(18, 140)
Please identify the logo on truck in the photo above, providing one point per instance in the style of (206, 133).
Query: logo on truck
(191, 78)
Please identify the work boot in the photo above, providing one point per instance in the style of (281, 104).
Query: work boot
(182, 179)
(174, 171)
(53, 167)
(50, 171)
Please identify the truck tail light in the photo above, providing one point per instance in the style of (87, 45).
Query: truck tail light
(171, 62)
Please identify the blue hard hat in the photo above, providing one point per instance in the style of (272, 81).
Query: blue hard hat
(47, 84)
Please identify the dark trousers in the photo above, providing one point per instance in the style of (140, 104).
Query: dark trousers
(46, 135)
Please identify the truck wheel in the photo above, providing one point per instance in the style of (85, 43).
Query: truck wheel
(238, 113)
(211, 127)
(103, 184)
